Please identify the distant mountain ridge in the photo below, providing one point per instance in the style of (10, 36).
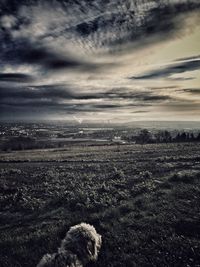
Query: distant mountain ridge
(164, 124)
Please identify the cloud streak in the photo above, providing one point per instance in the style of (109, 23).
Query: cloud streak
(15, 77)
(62, 99)
(170, 70)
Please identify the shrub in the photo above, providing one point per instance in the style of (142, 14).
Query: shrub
(185, 176)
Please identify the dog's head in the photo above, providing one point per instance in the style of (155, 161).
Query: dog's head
(84, 241)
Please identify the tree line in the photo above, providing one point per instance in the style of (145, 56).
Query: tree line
(145, 137)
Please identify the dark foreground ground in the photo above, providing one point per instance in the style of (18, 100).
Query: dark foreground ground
(143, 200)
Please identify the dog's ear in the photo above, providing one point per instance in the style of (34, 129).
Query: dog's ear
(91, 249)
(99, 243)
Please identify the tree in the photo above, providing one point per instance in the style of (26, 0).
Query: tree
(167, 136)
(158, 136)
(177, 138)
(163, 136)
(192, 138)
(198, 138)
(144, 137)
(183, 137)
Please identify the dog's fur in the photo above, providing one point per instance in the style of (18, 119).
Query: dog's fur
(80, 246)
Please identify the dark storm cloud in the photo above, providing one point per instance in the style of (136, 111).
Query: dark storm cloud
(15, 77)
(12, 6)
(140, 111)
(164, 87)
(45, 105)
(106, 106)
(123, 94)
(36, 92)
(25, 52)
(188, 58)
(64, 92)
(187, 107)
(170, 70)
(194, 91)
(52, 60)
(37, 111)
(155, 98)
(65, 99)
(53, 98)
(182, 78)
(42, 105)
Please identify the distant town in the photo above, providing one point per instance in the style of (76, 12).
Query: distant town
(19, 136)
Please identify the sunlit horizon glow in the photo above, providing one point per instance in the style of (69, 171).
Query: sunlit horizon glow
(98, 61)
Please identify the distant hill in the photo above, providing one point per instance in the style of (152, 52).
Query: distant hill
(170, 125)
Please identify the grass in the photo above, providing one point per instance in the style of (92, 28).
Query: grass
(142, 199)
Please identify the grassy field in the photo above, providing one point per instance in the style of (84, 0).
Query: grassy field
(143, 200)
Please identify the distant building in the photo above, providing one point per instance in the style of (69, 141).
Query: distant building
(118, 140)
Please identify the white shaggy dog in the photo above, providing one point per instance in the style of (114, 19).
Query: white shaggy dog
(80, 246)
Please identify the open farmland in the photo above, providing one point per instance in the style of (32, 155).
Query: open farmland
(143, 200)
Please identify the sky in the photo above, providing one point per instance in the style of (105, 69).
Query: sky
(100, 60)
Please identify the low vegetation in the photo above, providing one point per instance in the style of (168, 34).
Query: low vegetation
(143, 200)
